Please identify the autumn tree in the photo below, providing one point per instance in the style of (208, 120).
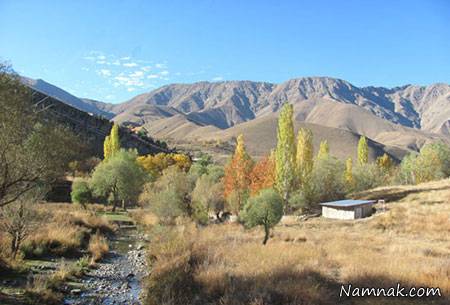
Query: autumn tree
(156, 164)
(305, 156)
(262, 175)
(385, 163)
(348, 174)
(363, 151)
(324, 150)
(237, 177)
(285, 154)
(111, 145)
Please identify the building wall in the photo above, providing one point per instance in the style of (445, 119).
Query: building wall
(346, 213)
(330, 212)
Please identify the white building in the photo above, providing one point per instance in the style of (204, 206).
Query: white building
(347, 209)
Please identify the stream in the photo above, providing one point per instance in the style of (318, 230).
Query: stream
(117, 278)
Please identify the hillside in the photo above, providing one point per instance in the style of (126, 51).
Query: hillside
(398, 120)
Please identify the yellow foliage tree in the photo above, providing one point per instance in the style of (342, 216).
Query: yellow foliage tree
(111, 145)
(324, 150)
(385, 163)
(156, 164)
(348, 174)
(237, 177)
(305, 155)
(363, 151)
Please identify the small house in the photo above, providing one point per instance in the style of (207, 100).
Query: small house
(347, 209)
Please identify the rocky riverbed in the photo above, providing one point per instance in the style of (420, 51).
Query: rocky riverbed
(117, 279)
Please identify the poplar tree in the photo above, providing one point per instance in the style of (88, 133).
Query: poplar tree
(305, 155)
(348, 174)
(237, 177)
(111, 145)
(363, 151)
(115, 141)
(384, 163)
(285, 153)
(107, 148)
(324, 150)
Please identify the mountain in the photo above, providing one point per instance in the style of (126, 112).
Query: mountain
(225, 104)
(86, 105)
(396, 120)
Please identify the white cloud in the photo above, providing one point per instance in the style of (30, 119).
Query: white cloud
(130, 65)
(101, 62)
(104, 72)
(116, 63)
(146, 68)
(131, 89)
(217, 78)
(101, 57)
(160, 66)
(152, 76)
(165, 72)
(125, 58)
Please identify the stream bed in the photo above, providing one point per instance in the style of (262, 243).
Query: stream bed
(118, 277)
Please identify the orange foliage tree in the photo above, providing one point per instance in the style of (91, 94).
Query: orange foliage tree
(263, 175)
(237, 177)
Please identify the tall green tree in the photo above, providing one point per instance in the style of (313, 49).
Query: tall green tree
(119, 179)
(34, 149)
(363, 151)
(324, 150)
(305, 156)
(285, 153)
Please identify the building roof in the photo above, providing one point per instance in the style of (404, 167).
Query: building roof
(347, 203)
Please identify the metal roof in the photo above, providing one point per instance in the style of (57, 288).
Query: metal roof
(347, 203)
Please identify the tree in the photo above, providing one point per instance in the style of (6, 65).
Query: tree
(285, 154)
(348, 174)
(107, 148)
(119, 178)
(111, 145)
(262, 175)
(363, 151)
(208, 196)
(384, 163)
(81, 193)
(324, 150)
(17, 220)
(34, 149)
(170, 195)
(305, 156)
(156, 164)
(328, 179)
(266, 209)
(237, 176)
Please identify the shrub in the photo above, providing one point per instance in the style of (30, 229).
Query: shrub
(207, 196)
(81, 193)
(266, 209)
(328, 181)
(98, 246)
(169, 196)
(367, 176)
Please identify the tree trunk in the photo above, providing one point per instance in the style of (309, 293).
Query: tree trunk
(14, 246)
(267, 232)
(218, 216)
(124, 207)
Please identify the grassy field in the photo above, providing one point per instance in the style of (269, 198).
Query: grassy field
(307, 262)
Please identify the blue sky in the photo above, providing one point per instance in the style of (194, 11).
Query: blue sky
(114, 50)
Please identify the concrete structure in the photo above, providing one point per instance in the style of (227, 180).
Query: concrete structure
(347, 209)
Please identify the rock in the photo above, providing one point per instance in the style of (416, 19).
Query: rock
(75, 291)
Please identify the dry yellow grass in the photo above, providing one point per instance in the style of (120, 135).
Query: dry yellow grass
(306, 263)
(98, 247)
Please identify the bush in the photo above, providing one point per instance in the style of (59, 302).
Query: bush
(328, 180)
(367, 176)
(81, 193)
(432, 163)
(207, 196)
(169, 196)
(98, 246)
(266, 209)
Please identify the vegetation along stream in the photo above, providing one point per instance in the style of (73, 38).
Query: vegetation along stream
(117, 280)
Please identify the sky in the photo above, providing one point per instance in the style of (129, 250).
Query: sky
(113, 50)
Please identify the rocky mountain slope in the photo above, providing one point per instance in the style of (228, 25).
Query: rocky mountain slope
(396, 120)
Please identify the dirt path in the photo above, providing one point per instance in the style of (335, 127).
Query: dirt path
(117, 280)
